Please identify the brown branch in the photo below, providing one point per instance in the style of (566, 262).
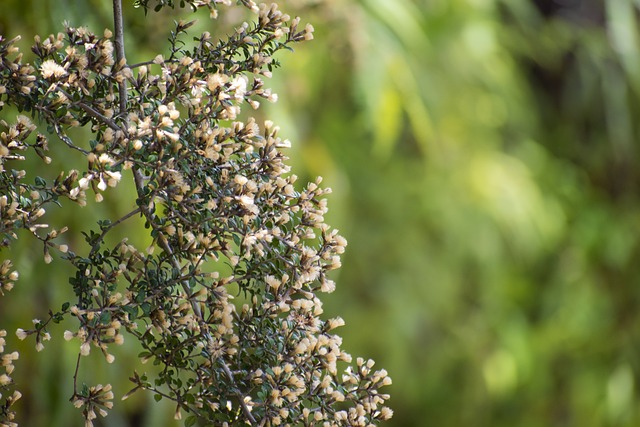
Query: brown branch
(93, 112)
(75, 379)
(120, 56)
(64, 138)
(113, 224)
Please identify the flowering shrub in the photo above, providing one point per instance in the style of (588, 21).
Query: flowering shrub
(213, 187)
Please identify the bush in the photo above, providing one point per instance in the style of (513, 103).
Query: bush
(224, 297)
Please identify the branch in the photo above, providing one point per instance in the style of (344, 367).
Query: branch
(113, 224)
(64, 138)
(120, 57)
(139, 182)
(93, 112)
(75, 378)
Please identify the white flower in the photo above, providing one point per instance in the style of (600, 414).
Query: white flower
(216, 80)
(5, 379)
(51, 68)
(239, 85)
(21, 334)
(107, 50)
(335, 323)
(328, 286)
(198, 88)
(85, 349)
(385, 413)
(272, 282)
(102, 185)
(113, 178)
(283, 143)
(240, 179)
(246, 201)
(83, 183)
(105, 159)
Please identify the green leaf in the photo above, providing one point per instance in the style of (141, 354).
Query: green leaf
(132, 311)
(146, 308)
(105, 317)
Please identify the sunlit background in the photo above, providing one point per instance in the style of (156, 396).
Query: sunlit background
(483, 157)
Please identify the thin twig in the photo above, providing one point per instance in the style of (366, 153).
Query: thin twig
(75, 378)
(120, 56)
(140, 64)
(113, 224)
(64, 138)
(93, 112)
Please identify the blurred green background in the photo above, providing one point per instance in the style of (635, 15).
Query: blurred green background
(483, 157)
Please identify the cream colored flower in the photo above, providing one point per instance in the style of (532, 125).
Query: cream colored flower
(51, 68)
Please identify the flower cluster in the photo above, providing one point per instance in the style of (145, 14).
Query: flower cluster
(226, 295)
(39, 331)
(94, 399)
(8, 276)
(6, 401)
